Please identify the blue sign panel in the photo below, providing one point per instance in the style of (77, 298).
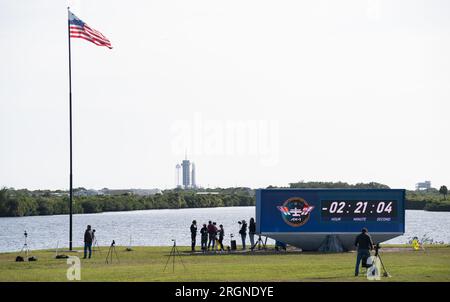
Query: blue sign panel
(330, 210)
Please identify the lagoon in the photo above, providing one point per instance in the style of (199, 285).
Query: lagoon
(158, 227)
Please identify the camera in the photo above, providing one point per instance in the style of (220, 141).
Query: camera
(377, 249)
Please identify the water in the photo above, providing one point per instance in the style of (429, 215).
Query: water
(158, 227)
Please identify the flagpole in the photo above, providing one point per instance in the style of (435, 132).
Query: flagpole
(70, 135)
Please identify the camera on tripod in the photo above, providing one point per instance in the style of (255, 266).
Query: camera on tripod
(25, 249)
(112, 251)
(377, 249)
(173, 253)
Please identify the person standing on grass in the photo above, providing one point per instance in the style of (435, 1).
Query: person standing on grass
(364, 244)
(88, 236)
(221, 235)
(204, 233)
(216, 241)
(243, 232)
(251, 232)
(193, 234)
(212, 230)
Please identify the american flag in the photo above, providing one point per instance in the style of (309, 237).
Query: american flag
(79, 29)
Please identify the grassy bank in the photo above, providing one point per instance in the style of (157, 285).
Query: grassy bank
(147, 263)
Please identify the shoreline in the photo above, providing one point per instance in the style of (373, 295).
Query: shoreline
(187, 208)
(401, 247)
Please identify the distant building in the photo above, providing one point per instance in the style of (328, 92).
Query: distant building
(84, 192)
(423, 186)
(145, 192)
(186, 164)
(188, 175)
(139, 192)
(177, 175)
(193, 183)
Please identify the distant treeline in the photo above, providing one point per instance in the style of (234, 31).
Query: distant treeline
(429, 200)
(336, 185)
(15, 203)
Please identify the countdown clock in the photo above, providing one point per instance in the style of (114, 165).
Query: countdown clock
(358, 210)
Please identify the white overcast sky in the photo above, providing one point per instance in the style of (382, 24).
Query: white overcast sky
(355, 91)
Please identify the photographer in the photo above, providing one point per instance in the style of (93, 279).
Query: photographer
(212, 230)
(88, 237)
(251, 232)
(204, 233)
(193, 234)
(221, 234)
(216, 242)
(364, 244)
(243, 232)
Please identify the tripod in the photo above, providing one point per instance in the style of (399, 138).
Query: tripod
(259, 243)
(95, 246)
(129, 249)
(111, 251)
(95, 243)
(25, 247)
(377, 255)
(173, 253)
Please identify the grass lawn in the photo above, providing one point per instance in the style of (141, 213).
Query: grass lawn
(147, 263)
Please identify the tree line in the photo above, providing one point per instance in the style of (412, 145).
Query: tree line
(16, 203)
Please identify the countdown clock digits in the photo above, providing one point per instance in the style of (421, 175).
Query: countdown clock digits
(340, 210)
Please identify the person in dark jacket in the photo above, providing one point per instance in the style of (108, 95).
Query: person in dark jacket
(364, 245)
(204, 233)
(88, 236)
(251, 232)
(193, 234)
(215, 236)
(243, 232)
(212, 230)
(221, 235)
